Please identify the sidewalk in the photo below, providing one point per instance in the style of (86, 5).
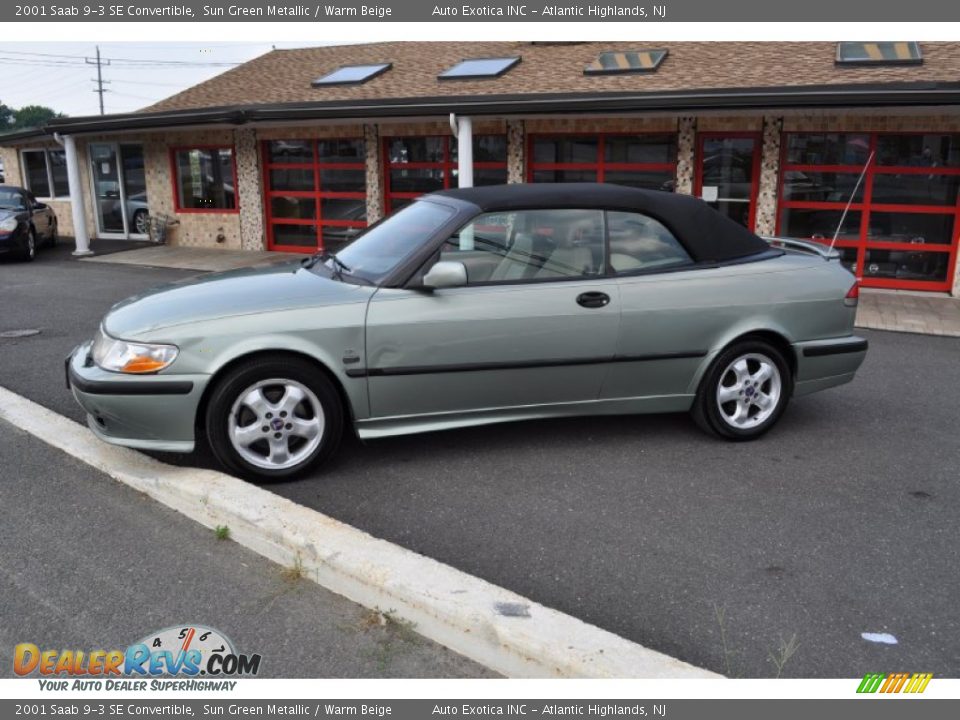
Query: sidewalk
(899, 311)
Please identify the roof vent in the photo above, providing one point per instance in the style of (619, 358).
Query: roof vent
(879, 53)
(352, 74)
(626, 62)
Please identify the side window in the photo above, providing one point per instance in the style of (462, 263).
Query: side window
(527, 245)
(639, 242)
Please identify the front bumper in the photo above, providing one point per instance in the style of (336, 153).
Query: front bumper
(827, 363)
(12, 242)
(149, 412)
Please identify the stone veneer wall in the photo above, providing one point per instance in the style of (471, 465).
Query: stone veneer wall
(371, 138)
(766, 222)
(249, 190)
(686, 152)
(516, 151)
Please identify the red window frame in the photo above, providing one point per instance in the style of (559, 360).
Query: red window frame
(865, 208)
(447, 165)
(600, 166)
(318, 194)
(754, 176)
(175, 180)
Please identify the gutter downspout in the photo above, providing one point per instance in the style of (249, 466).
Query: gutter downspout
(81, 238)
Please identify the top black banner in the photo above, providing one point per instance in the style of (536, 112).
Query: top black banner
(489, 11)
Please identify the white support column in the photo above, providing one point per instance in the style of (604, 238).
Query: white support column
(76, 197)
(465, 152)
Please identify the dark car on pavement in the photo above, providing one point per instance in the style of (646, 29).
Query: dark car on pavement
(25, 223)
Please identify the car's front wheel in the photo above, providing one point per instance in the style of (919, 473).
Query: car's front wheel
(274, 419)
(744, 391)
(29, 250)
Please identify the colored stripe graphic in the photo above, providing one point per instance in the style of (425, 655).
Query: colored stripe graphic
(894, 683)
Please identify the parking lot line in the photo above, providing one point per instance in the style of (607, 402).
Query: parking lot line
(488, 624)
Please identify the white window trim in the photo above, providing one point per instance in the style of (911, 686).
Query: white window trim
(46, 159)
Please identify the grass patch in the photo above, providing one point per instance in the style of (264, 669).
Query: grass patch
(221, 532)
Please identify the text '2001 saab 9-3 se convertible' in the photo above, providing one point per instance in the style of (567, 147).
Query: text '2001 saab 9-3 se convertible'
(476, 306)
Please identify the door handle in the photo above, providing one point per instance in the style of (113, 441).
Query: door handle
(593, 299)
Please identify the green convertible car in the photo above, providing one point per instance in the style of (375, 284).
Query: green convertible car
(476, 306)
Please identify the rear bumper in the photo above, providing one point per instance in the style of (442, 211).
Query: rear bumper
(152, 412)
(827, 363)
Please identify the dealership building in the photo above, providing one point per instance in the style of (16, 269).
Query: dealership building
(298, 150)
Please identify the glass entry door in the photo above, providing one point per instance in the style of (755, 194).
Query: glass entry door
(728, 174)
(119, 189)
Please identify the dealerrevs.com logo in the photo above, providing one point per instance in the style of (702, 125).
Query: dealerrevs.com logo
(186, 652)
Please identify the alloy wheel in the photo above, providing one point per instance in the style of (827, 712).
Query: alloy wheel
(749, 391)
(276, 423)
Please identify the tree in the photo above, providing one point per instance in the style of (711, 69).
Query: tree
(31, 116)
(6, 117)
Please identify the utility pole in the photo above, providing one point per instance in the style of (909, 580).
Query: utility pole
(99, 81)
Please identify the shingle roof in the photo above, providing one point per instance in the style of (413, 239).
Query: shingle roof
(284, 76)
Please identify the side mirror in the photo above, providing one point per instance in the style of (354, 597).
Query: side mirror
(445, 274)
(39, 206)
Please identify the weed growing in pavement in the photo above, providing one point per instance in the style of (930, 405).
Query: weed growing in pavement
(397, 632)
(295, 571)
(720, 613)
(221, 532)
(783, 654)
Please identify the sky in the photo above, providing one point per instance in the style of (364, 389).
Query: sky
(140, 73)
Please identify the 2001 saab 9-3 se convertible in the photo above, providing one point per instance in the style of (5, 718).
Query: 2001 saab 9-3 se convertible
(476, 306)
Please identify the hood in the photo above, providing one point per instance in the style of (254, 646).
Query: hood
(6, 213)
(237, 292)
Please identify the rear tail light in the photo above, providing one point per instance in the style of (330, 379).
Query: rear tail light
(853, 295)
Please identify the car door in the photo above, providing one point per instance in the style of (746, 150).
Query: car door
(666, 329)
(536, 323)
(38, 215)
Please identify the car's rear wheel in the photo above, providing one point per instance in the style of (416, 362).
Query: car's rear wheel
(54, 230)
(744, 392)
(274, 419)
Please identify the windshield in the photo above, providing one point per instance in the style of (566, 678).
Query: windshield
(11, 200)
(373, 255)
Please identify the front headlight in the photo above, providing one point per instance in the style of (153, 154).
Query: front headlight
(9, 225)
(129, 357)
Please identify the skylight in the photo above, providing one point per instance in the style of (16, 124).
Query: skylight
(879, 53)
(479, 68)
(352, 74)
(633, 61)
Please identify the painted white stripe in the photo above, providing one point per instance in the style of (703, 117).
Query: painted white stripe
(445, 605)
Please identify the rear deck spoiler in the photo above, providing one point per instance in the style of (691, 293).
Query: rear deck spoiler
(827, 253)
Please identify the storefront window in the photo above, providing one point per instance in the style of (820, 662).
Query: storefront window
(45, 173)
(205, 179)
(422, 164)
(901, 229)
(643, 161)
(316, 193)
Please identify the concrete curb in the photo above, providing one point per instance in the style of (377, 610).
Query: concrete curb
(488, 624)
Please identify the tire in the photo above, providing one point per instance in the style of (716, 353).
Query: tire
(730, 403)
(290, 397)
(140, 224)
(52, 240)
(29, 251)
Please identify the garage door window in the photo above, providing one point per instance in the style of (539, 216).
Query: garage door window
(424, 164)
(316, 193)
(645, 161)
(901, 231)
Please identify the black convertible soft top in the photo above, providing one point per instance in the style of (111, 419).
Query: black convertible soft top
(708, 235)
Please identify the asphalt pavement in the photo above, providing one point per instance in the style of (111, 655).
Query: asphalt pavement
(88, 563)
(842, 521)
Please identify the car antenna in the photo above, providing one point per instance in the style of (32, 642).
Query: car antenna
(853, 194)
